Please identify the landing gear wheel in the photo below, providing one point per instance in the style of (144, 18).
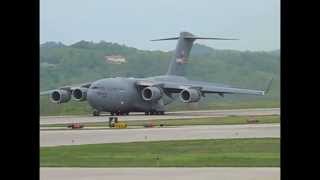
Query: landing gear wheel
(161, 112)
(112, 113)
(96, 113)
(127, 113)
(146, 113)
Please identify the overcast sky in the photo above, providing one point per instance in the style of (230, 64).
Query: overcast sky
(133, 23)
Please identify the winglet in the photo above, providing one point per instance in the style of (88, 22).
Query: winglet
(268, 86)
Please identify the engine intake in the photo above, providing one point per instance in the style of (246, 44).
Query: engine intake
(80, 94)
(190, 95)
(60, 96)
(151, 93)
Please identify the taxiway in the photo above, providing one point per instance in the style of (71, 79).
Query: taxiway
(77, 137)
(169, 115)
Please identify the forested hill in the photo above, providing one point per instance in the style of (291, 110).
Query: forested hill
(84, 61)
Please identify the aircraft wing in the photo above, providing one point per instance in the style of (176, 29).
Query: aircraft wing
(204, 87)
(69, 88)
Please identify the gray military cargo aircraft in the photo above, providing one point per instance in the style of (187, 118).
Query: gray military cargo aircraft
(120, 95)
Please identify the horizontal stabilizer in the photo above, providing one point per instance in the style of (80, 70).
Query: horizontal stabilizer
(193, 38)
(174, 38)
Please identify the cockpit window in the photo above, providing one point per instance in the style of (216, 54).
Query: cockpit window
(97, 87)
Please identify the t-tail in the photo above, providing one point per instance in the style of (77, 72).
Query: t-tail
(181, 54)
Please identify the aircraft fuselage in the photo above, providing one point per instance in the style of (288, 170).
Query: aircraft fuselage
(119, 95)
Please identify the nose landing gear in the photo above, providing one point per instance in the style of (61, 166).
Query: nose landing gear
(96, 113)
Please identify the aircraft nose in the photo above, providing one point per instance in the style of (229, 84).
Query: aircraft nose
(92, 98)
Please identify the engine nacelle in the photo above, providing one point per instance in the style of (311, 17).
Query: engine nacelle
(60, 96)
(190, 95)
(151, 93)
(80, 94)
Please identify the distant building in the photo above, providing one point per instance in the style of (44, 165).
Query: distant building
(47, 65)
(115, 59)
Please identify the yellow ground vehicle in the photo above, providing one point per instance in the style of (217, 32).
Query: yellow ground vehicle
(120, 125)
(114, 123)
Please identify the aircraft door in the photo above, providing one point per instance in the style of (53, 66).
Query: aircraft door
(122, 98)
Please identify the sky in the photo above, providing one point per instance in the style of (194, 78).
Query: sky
(256, 23)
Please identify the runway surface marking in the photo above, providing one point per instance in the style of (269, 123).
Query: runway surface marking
(210, 173)
(169, 115)
(77, 137)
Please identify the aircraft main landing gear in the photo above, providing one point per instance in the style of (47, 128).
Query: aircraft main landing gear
(154, 113)
(119, 113)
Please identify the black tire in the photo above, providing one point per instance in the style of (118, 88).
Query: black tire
(112, 113)
(96, 113)
(146, 113)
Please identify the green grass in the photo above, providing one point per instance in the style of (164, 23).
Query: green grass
(183, 122)
(262, 152)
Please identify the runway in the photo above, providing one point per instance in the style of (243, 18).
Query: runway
(169, 115)
(160, 173)
(77, 137)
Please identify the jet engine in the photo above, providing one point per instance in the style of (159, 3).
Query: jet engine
(60, 96)
(190, 95)
(151, 93)
(80, 94)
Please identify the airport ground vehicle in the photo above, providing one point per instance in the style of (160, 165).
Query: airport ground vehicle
(75, 126)
(252, 120)
(149, 125)
(114, 123)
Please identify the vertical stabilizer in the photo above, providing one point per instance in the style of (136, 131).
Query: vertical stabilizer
(181, 54)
